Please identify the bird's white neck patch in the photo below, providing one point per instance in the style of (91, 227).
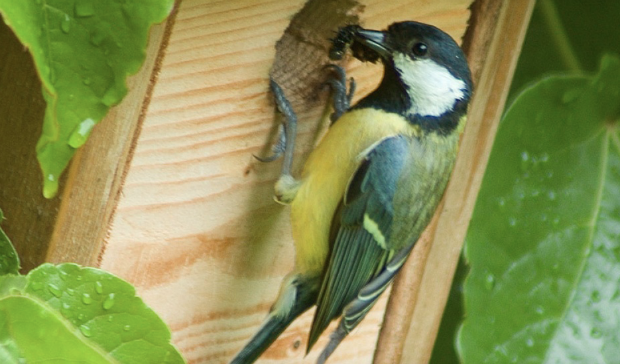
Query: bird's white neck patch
(432, 88)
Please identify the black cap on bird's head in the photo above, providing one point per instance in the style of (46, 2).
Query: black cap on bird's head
(426, 72)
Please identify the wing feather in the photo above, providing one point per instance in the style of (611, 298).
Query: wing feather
(361, 228)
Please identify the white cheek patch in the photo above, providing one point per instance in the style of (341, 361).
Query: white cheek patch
(431, 87)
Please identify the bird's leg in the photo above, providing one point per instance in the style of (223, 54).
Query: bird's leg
(286, 187)
(341, 98)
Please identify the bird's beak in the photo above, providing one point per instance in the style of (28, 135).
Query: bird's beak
(374, 40)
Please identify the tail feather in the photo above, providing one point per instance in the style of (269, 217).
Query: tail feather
(267, 334)
(305, 293)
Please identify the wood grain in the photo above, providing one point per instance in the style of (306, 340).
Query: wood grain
(97, 171)
(196, 229)
(494, 49)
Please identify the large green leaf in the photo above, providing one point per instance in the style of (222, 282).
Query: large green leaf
(83, 51)
(544, 241)
(106, 311)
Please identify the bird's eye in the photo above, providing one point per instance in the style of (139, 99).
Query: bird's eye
(420, 49)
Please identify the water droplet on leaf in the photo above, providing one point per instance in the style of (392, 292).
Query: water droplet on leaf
(85, 330)
(109, 302)
(65, 24)
(50, 186)
(596, 333)
(571, 95)
(96, 38)
(87, 299)
(81, 133)
(98, 287)
(54, 290)
(126, 327)
(489, 281)
(84, 9)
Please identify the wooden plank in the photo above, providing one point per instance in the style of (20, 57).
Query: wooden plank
(196, 229)
(493, 45)
(97, 171)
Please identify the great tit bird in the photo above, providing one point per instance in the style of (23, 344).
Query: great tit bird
(371, 186)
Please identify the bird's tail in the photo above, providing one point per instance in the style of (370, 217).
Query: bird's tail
(296, 296)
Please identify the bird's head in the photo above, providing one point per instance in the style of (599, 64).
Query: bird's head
(426, 72)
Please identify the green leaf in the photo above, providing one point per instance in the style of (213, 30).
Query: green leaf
(544, 240)
(83, 51)
(106, 311)
(9, 262)
(30, 332)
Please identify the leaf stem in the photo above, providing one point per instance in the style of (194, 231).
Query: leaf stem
(558, 33)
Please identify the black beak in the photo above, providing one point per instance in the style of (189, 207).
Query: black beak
(374, 40)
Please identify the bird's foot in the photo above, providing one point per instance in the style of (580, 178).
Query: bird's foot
(341, 98)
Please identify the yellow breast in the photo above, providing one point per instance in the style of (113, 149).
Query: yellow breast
(326, 174)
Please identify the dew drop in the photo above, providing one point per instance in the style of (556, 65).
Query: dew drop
(126, 327)
(54, 290)
(37, 286)
(525, 156)
(87, 81)
(98, 287)
(81, 133)
(70, 291)
(81, 317)
(512, 221)
(63, 275)
(96, 38)
(85, 330)
(596, 333)
(110, 318)
(110, 97)
(529, 342)
(84, 9)
(87, 299)
(525, 161)
(540, 310)
(50, 186)
(501, 202)
(571, 95)
(108, 302)
(65, 24)
(551, 195)
(489, 281)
